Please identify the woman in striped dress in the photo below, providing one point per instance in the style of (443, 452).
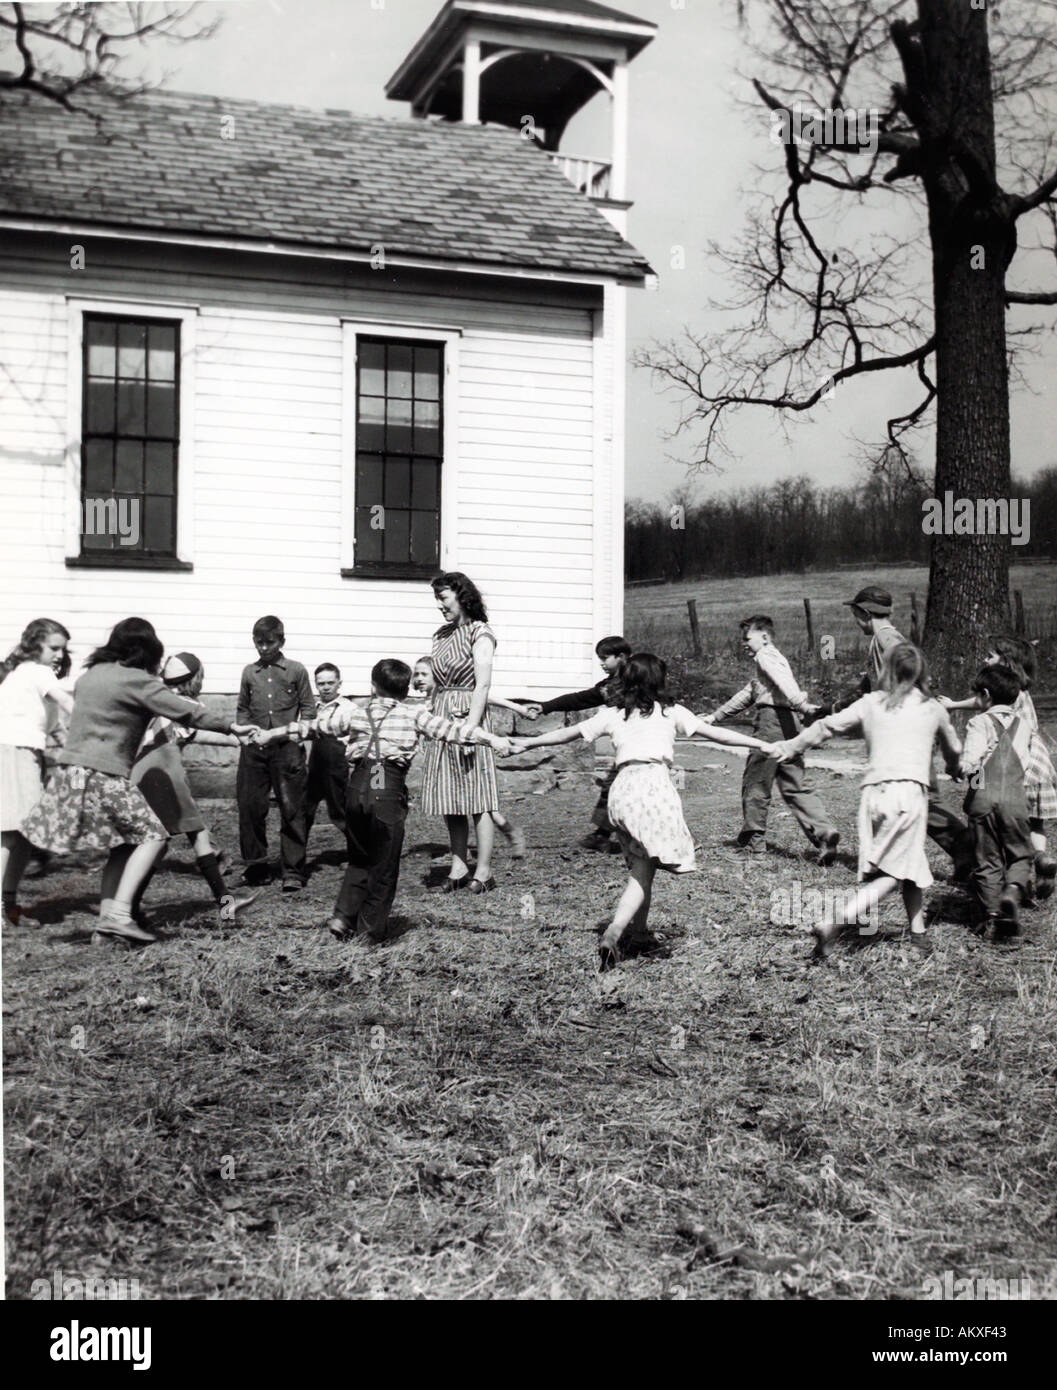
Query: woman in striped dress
(459, 781)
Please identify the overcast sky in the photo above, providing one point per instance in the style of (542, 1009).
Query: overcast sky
(693, 151)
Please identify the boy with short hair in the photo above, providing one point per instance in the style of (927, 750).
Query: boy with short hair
(274, 690)
(328, 767)
(995, 753)
(777, 698)
(383, 736)
(612, 653)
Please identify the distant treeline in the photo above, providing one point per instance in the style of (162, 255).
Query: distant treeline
(795, 525)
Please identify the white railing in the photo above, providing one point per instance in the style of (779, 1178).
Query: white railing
(590, 176)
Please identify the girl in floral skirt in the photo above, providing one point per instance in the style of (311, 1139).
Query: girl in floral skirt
(89, 802)
(644, 807)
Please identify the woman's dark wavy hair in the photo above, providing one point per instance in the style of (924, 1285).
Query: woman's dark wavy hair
(465, 590)
(641, 684)
(31, 644)
(132, 642)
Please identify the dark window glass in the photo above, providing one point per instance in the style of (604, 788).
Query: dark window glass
(130, 436)
(398, 409)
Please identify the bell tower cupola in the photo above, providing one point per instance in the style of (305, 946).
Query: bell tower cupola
(532, 65)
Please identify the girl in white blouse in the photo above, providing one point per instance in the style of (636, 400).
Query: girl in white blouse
(644, 807)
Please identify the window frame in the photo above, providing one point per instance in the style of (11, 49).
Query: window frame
(447, 339)
(185, 317)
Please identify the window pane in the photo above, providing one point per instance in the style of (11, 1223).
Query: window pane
(427, 427)
(161, 410)
(161, 364)
(368, 480)
(424, 487)
(132, 350)
(427, 374)
(98, 457)
(425, 536)
(397, 535)
(91, 541)
(368, 541)
(131, 408)
(100, 413)
(128, 467)
(102, 350)
(370, 432)
(398, 426)
(157, 524)
(398, 377)
(160, 469)
(397, 482)
(371, 358)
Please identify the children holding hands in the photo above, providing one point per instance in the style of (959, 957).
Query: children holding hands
(644, 806)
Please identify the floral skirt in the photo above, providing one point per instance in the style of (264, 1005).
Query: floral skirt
(647, 815)
(893, 825)
(21, 783)
(84, 809)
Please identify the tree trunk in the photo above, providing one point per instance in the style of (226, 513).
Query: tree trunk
(971, 244)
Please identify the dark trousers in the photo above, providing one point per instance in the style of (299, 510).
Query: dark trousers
(375, 812)
(761, 773)
(949, 831)
(328, 771)
(600, 815)
(279, 768)
(1002, 856)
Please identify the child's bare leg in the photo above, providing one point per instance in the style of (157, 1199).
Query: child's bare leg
(112, 871)
(635, 897)
(201, 843)
(16, 853)
(137, 867)
(861, 908)
(913, 901)
(485, 828)
(501, 823)
(459, 835)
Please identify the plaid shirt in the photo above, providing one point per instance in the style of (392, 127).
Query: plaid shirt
(773, 684)
(385, 729)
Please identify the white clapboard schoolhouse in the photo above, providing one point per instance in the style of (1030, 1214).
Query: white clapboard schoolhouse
(270, 359)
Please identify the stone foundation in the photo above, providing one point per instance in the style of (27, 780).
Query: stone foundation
(211, 767)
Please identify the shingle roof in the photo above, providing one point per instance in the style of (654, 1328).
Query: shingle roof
(305, 177)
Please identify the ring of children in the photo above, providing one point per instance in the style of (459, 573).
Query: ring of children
(528, 699)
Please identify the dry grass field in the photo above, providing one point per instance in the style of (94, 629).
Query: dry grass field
(471, 1112)
(656, 619)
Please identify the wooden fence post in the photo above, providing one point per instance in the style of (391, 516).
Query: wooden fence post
(1018, 606)
(810, 627)
(695, 630)
(915, 623)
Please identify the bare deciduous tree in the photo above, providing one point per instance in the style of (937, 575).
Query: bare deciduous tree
(934, 75)
(61, 50)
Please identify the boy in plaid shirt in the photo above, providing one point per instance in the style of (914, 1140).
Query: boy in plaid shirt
(383, 735)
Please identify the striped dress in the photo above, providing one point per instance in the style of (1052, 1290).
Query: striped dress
(456, 780)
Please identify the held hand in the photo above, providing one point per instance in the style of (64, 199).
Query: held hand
(501, 745)
(945, 701)
(533, 710)
(516, 746)
(781, 751)
(707, 718)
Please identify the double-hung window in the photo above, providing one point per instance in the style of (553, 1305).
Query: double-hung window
(399, 456)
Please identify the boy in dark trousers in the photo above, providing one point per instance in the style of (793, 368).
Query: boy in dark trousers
(383, 736)
(328, 766)
(274, 690)
(778, 699)
(995, 753)
(612, 653)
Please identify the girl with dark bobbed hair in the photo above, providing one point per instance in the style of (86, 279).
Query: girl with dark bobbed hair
(459, 780)
(89, 802)
(644, 808)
